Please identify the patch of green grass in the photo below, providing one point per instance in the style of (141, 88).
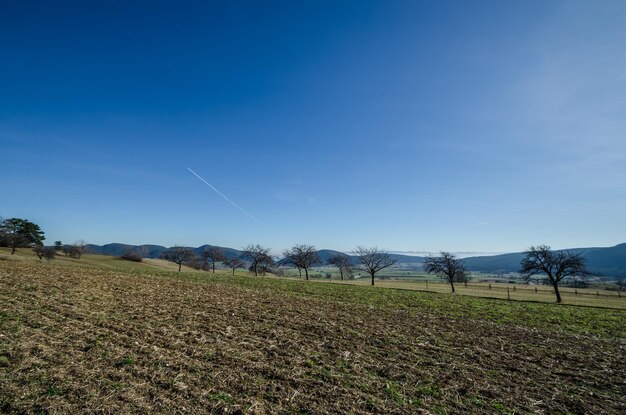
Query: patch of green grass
(221, 396)
(127, 361)
(582, 320)
(500, 407)
(53, 391)
(394, 390)
(430, 390)
(4, 360)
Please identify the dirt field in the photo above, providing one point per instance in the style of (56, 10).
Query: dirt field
(88, 340)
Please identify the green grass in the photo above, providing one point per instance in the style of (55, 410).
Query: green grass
(525, 311)
(92, 261)
(603, 322)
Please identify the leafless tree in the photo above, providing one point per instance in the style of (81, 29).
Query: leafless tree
(259, 257)
(78, 248)
(75, 250)
(179, 255)
(303, 257)
(288, 259)
(68, 250)
(47, 252)
(556, 265)
(13, 241)
(373, 260)
(133, 254)
(343, 263)
(211, 255)
(446, 266)
(234, 263)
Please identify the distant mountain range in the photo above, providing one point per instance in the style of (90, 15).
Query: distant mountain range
(606, 261)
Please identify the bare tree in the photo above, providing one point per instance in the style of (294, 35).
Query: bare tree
(556, 265)
(211, 255)
(259, 258)
(448, 267)
(68, 250)
(13, 241)
(47, 252)
(50, 253)
(303, 257)
(373, 260)
(133, 254)
(179, 255)
(39, 250)
(343, 263)
(77, 249)
(234, 263)
(288, 259)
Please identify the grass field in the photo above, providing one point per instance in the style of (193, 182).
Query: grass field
(25, 255)
(593, 297)
(142, 340)
(519, 292)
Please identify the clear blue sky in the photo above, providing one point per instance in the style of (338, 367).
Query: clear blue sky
(464, 126)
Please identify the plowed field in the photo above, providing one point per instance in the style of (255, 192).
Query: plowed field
(94, 341)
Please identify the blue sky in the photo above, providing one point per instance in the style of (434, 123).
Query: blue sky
(422, 126)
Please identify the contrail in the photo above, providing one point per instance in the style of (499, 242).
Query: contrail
(221, 194)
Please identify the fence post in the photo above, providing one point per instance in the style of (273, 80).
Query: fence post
(508, 293)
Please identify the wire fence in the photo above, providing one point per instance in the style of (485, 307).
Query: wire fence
(504, 288)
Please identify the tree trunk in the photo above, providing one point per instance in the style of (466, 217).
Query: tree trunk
(300, 272)
(180, 264)
(306, 272)
(372, 279)
(233, 271)
(13, 250)
(556, 292)
(341, 272)
(452, 285)
(213, 267)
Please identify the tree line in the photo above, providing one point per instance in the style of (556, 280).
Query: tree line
(540, 260)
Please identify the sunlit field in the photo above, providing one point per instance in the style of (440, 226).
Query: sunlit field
(94, 339)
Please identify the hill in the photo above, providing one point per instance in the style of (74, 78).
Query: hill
(609, 261)
(605, 261)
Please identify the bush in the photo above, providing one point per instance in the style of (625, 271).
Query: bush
(131, 255)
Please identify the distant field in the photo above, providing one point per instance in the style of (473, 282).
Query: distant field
(410, 280)
(95, 339)
(516, 292)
